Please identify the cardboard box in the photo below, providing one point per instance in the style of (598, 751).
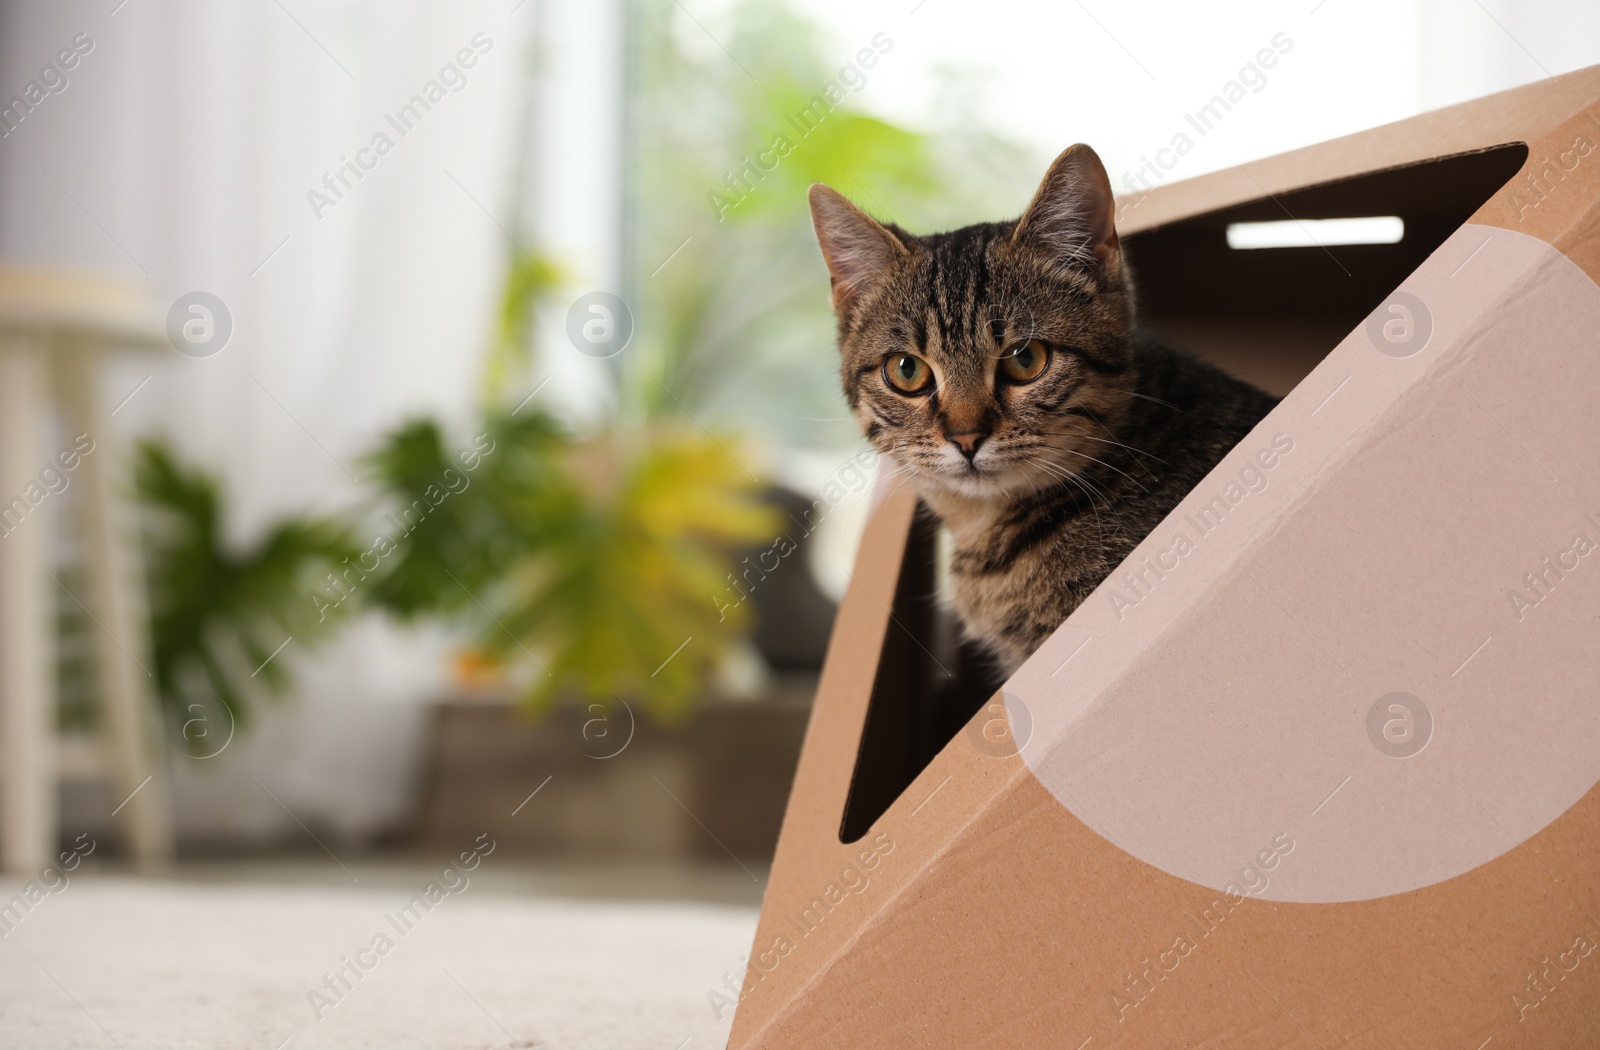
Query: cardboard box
(1316, 767)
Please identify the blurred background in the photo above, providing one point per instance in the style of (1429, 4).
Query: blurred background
(467, 450)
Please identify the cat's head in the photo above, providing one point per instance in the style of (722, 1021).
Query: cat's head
(995, 360)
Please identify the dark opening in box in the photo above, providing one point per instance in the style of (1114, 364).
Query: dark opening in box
(1267, 315)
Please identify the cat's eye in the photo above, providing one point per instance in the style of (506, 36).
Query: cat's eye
(1024, 362)
(907, 373)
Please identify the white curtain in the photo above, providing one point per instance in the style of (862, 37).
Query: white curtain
(179, 154)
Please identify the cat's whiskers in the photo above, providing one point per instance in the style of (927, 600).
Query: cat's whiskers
(1112, 435)
(900, 472)
(1086, 487)
(1157, 400)
(1140, 463)
(1079, 432)
(901, 455)
(1062, 472)
(1103, 463)
(902, 466)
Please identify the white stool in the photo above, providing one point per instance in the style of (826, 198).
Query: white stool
(54, 328)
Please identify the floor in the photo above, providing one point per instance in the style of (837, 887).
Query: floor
(243, 956)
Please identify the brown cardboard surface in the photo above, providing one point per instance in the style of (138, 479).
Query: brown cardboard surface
(1109, 885)
(1408, 499)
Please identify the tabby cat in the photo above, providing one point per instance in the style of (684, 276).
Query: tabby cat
(1001, 368)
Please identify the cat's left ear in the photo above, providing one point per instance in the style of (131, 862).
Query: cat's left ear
(1072, 214)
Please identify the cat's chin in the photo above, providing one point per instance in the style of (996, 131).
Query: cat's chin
(985, 483)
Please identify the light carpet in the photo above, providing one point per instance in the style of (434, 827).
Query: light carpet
(114, 962)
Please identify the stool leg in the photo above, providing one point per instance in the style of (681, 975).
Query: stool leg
(121, 643)
(27, 614)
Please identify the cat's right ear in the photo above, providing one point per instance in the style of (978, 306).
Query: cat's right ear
(857, 248)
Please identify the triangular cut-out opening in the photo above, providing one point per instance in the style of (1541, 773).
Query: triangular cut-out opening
(1267, 314)
(927, 686)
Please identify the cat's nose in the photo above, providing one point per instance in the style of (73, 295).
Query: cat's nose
(968, 441)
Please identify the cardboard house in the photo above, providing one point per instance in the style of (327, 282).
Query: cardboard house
(1316, 766)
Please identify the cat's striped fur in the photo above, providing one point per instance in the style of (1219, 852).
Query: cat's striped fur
(1045, 485)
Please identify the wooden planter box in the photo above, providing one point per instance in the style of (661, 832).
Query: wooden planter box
(713, 787)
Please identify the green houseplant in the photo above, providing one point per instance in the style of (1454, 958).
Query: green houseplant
(219, 616)
(587, 565)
